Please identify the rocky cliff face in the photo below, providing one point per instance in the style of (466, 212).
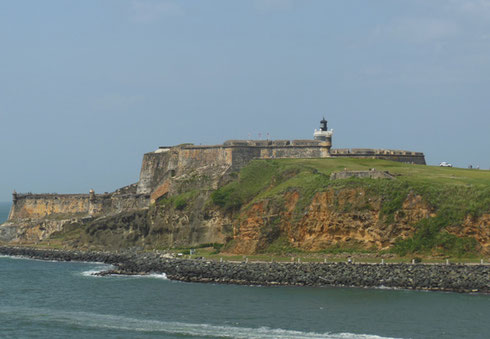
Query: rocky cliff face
(347, 217)
(273, 206)
(35, 217)
(30, 231)
(179, 215)
(477, 228)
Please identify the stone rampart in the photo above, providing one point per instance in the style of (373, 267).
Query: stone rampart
(38, 206)
(372, 174)
(386, 154)
(185, 159)
(166, 162)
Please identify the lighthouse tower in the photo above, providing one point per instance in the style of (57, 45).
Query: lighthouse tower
(323, 134)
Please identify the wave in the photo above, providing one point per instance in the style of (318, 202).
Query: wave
(24, 257)
(15, 257)
(3, 256)
(94, 270)
(21, 257)
(156, 276)
(113, 322)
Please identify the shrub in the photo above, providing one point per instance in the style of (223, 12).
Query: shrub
(180, 203)
(227, 197)
(217, 248)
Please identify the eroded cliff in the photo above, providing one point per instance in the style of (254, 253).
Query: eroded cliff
(302, 209)
(289, 205)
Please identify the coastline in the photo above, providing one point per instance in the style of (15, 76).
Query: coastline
(433, 277)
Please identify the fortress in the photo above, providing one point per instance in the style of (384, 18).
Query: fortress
(232, 155)
(159, 167)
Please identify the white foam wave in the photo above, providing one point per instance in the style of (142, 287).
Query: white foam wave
(89, 262)
(93, 271)
(21, 257)
(383, 287)
(16, 257)
(157, 276)
(93, 320)
(162, 276)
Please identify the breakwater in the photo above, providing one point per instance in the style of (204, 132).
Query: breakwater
(456, 278)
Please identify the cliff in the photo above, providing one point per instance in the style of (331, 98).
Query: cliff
(35, 217)
(310, 205)
(298, 206)
(256, 196)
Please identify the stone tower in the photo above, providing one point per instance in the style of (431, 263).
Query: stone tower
(323, 134)
(92, 206)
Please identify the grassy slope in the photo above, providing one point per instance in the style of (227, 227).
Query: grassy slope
(453, 193)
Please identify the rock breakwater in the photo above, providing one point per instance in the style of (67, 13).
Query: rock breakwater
(435, 277)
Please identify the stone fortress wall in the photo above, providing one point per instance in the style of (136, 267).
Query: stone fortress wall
(167, 162)
(232, 155)
(386, 154)
(159, 167)
(36, 206)
(59, 206)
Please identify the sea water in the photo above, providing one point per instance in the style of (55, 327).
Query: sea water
(4, 211)
(40, 299)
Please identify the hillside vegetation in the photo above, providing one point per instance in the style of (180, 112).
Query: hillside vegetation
(285, 206)
(452, 194)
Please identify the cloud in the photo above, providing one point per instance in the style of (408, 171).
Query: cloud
(148, 11)
(273, 5)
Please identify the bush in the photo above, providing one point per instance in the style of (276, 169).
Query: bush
(220, 196)
(227, 197)
(217, 248)
(180, 203)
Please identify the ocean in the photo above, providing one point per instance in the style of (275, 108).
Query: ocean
(40, 299)
(4, 211)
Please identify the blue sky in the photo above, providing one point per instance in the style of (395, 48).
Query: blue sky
(87, 87)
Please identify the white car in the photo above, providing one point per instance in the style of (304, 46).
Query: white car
(445, 164)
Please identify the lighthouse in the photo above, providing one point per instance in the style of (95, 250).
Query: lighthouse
(323, 134)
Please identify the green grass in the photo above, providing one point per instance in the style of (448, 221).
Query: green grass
(180, 201)
(253, 179)
(281, 246)
(331, 255)
(452, 194)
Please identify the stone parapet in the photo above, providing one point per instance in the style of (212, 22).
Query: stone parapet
(372, 174)
(386, 154)
(167, 162)
(53, 205)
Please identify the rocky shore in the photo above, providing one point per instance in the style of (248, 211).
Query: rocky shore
(456, 278)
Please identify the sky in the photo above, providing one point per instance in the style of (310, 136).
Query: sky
(87, 87)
